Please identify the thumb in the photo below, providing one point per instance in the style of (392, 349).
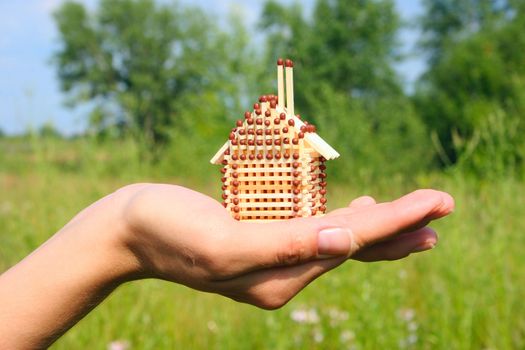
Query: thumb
(291, 242)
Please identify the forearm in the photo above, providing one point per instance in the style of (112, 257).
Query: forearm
(54, 287)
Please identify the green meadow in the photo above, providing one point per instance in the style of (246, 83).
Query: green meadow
(467, 293)
(163, 82)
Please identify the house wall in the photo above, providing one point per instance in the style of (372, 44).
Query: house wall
(274, 189)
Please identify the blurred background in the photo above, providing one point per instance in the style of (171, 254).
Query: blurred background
(429, 93)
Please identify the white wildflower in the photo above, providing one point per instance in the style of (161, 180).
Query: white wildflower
(212, 326)
(119, 345)
(309, 316)
(407, 314)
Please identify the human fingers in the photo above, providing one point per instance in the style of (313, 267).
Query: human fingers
(363, 201)
(286, 243)
(399, 247)
(292, 242)
(355, 205)
(384, 220)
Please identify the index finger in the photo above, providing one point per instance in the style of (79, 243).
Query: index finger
(381, 221)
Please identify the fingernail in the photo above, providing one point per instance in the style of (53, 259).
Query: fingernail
(424, 246)
(334, 241)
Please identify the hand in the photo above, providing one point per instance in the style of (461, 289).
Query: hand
(173, 233)
(186, 237)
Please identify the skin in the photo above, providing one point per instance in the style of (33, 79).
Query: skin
(176, 234)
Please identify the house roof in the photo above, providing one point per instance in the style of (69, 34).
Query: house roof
(270, 113)
(312, 138)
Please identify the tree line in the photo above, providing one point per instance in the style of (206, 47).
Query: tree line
(175, 78)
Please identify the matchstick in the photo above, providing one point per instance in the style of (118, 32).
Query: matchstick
(280, 82)
(263, 102)
(289, 87)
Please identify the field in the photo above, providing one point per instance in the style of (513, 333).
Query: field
(465, 294)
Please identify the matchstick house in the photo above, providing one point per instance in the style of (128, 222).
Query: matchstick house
(273, 162)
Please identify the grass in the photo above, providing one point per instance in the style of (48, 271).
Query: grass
(465, 294)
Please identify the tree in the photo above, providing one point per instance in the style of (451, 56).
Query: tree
(351, 45)
(142, 64)
(347, 83)
(472, 94)
(49, 131)
(447, 22)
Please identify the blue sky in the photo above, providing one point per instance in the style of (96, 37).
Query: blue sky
(29, 90)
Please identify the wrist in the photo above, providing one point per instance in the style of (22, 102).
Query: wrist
(100, 237)
(120, 240)
(103, 234)
(132, 242)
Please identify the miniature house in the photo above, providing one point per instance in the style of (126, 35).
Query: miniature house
(273, 162)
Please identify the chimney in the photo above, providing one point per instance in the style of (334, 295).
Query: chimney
(289, 87)
(280, 82)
